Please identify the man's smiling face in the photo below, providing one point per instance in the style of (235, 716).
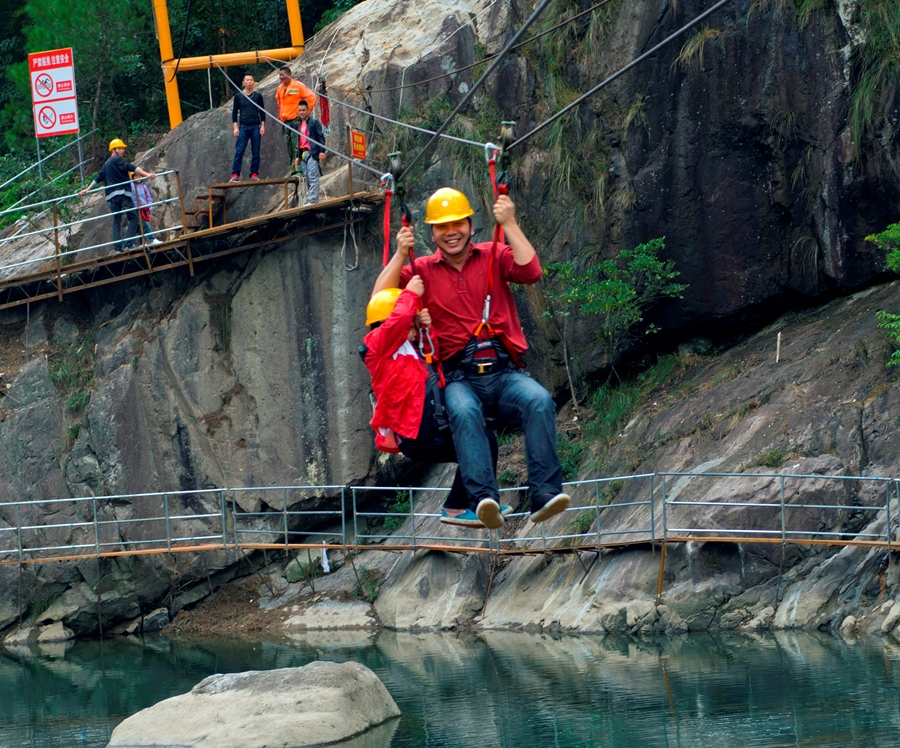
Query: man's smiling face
(452, 237)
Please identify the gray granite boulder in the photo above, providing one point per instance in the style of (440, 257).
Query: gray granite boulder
(319, 704)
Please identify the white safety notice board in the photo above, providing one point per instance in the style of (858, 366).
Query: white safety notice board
(53, 93)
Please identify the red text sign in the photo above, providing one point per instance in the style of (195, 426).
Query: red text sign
(53, 92)
(357, 144)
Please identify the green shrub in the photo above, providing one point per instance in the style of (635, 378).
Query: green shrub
(399, 505)
(774, 458)
(889, 241)
(369, 585)
(569, 448)
(583, 523)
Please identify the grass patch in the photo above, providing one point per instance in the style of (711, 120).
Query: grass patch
(369, 584)
(692, 51)
(582, 523)
(570, 449)
(876, 69)
(727, 374)
(507, 478)
(774, 458)
(72, 370)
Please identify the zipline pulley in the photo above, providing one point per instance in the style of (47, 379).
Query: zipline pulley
(394, 187)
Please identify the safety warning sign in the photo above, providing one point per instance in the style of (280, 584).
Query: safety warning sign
(53, 92)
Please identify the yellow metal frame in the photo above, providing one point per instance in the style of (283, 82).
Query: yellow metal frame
(170, 64)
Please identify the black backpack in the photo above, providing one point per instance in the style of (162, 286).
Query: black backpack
(433, 443)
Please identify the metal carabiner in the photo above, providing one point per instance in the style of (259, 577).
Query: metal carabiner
(425, 334)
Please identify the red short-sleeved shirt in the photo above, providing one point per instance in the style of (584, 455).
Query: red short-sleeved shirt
(455, 298)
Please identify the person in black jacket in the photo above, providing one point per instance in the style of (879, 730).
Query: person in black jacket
(249, 124)
(312, 150)
(115, 176)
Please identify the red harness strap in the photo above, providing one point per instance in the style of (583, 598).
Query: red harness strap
(387, 226)
(492, 163)
(485, 324)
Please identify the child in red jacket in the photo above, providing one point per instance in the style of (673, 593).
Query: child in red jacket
(399, 381)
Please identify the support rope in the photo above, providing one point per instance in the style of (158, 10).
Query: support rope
(621, 72)
(465, 100)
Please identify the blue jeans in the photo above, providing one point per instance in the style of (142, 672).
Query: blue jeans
(117, 204)
(244, 134)
(512, 397)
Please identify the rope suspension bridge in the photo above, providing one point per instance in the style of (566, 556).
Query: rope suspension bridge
(643, 512)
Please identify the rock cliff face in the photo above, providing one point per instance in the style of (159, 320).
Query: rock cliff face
(248, 375)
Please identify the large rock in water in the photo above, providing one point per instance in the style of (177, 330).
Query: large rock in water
(321, 703)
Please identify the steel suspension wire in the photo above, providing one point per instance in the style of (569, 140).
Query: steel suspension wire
(465, 100)
(187, 20)
(703, 16)
(404, 124)
(488, 57)
(386, 119)
(311, 140)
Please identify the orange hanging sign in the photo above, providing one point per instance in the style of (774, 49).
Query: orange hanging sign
(357, 144)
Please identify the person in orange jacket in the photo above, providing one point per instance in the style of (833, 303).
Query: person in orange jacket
(400, 382)
(288, 95)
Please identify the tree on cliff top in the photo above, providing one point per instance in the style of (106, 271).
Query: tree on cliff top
(889, 241)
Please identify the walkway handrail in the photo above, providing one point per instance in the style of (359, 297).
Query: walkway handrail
(36, 164)
(14, 207)
(279, 523)
(63, 198)
(80, 221)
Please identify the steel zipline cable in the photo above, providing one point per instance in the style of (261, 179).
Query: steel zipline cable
(396, 122)
(465, 100)
(311, 140)
(484, 59)
(355, 109)
(187, 20)
(619, 73)
(511, 45)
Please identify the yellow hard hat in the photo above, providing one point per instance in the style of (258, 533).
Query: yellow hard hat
(381, 305)
(447, 205)
(116, 143)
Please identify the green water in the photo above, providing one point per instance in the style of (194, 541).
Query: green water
(499, 689)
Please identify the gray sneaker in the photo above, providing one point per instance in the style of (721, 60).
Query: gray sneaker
(546, 506)
(488, 511)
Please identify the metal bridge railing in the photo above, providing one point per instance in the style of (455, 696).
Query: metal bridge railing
(607, 512)
(39, 165)
(51, 232)
(783, 513)
(279, 528)
(57, 529)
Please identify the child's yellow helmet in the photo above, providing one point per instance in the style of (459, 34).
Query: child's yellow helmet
(381, 305)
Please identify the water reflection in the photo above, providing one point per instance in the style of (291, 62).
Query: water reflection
(497, 689)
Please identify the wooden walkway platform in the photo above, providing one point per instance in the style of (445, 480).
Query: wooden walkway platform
(56, 280)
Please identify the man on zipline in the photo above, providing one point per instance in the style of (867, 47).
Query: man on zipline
(475, 319)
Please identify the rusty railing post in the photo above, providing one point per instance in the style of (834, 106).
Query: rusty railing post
(59, 293)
